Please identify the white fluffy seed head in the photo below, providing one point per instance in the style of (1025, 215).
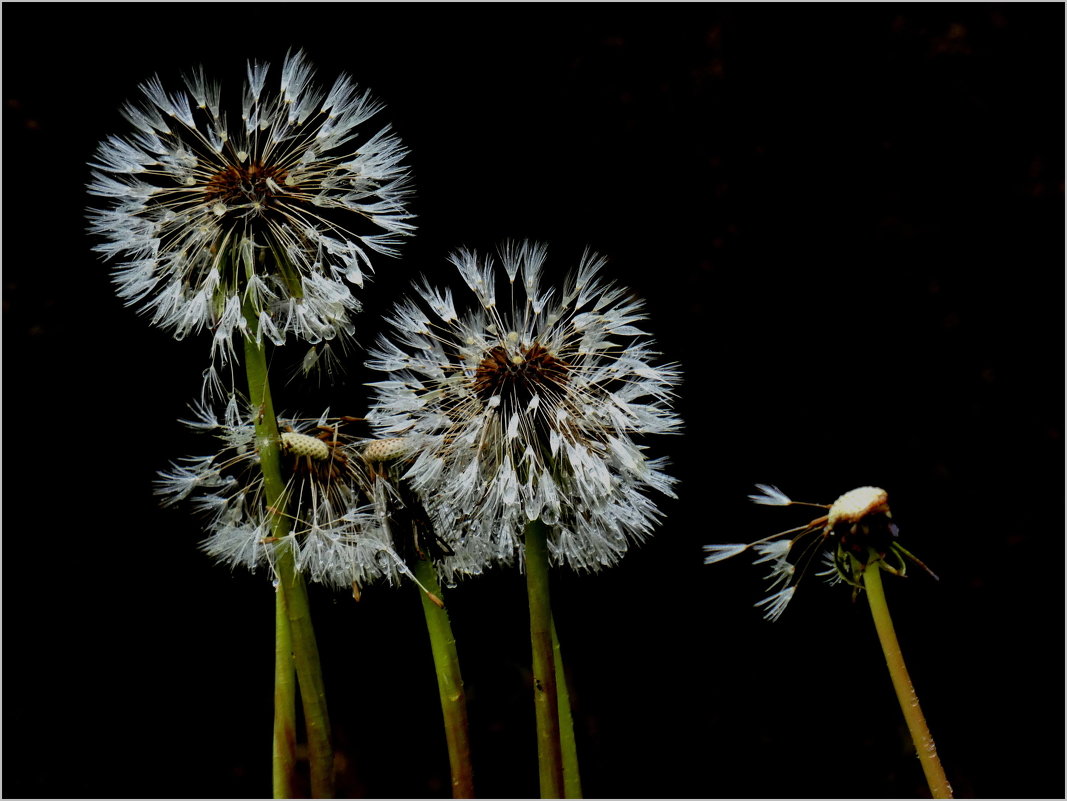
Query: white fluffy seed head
(519, 417)
(175, 202)
(304, 445)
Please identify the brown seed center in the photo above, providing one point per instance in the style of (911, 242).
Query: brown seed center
(518, 377)
(256, 184)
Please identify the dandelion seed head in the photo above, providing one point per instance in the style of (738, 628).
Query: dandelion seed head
(332, 525)
(284, 211)
(522, 415)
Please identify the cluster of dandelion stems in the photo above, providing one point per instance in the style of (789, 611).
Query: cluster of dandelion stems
(296, 652)
(254, 227)
(557, 755)
(295, 648)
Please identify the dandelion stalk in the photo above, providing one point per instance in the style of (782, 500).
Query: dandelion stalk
(449, 683)
(546, 703)
(572, 782)
(291, 586)
(284, 764)
(909, 701)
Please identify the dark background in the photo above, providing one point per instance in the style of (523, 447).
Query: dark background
(848, 224)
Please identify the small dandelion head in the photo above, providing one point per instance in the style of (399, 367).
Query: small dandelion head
(252, 219)
(530, 411)
(326, 509)
(856, 531)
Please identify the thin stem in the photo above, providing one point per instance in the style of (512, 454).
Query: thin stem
(449, 683)
(909, 701)
(290, 582)
(572, 780)
(546, 704)
(309, 675)
(284, 765)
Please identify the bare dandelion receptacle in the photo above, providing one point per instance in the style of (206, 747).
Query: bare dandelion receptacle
(856, 531)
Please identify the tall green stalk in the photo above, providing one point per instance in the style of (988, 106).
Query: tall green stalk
(449, 683)
(284, 764)
(906, 696)
(546, 701)
(572, 781)
(291, 586)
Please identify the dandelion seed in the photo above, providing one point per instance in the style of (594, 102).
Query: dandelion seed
(717, 553)
(856, 531)
(770, 496)
(530, 411)
(218, 220)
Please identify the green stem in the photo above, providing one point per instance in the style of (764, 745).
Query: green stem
(449, 683)
(309, 675)
(284, 766)
(909, 701)
(290, 581)
(546, 704)
(572, 781)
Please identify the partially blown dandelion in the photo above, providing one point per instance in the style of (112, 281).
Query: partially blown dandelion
(254, 219)
(857, 531)
(529, 412)
(335, 532)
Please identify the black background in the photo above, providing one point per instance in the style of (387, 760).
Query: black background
(847, 223)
